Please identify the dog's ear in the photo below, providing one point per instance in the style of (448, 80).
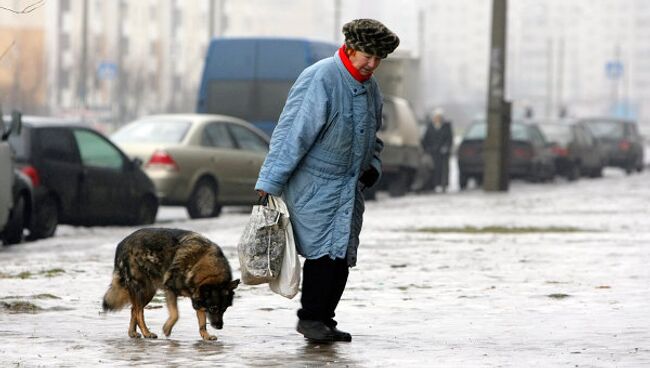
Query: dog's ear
(233, 284)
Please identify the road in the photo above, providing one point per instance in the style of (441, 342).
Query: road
(545, 274)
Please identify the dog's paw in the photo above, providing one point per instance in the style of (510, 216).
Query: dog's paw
(208, 337)
(151, 335)
(134, 334)
(167, 330)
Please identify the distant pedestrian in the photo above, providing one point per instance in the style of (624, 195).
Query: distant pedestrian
(438, 143)
(324, 151)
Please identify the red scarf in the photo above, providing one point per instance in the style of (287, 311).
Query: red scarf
(348, 65)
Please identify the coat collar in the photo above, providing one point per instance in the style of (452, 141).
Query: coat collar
(356, 87)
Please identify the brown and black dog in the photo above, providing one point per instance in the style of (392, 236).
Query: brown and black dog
(181, 262)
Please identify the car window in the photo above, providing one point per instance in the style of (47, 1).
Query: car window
(389, 116)
(476, 131)
(247, 140)
(606, 129)
(18, 144)
(153, 131)
(587, 136)
(519, 132)
(96, 151)
(557, 133)
(216, 135)
(56, 144)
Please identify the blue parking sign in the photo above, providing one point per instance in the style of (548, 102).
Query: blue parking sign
(614, 69)
(107, 71)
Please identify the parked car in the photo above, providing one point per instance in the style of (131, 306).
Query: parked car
(80, 178)
(577, 151)
(402, 156)
(621, 140)
(198, 161)
(15, 190)
(22, 210)
(530, 155)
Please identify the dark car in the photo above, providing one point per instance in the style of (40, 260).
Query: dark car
(577, 151)
(21, 212)
(530, 155)
(15, 188)
(80, 178)
(623, 145)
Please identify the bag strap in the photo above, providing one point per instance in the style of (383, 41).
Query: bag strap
(263, 200)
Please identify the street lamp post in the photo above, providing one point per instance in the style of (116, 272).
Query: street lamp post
(497, 143)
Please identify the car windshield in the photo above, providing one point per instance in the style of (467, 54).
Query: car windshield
(152, 131)
(606, 128)
(557, 133)
(478, 131)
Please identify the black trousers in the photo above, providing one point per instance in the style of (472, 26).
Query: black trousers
(323, 282)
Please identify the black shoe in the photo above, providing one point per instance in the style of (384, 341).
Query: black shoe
(315, 331)
(340, 335)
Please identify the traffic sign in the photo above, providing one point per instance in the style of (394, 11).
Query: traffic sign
(614, 69)
(106, 70)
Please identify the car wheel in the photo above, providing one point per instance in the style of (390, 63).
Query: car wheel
(203, 201)
(399, 184)
(13, 233)
(462, 181)
(46, 219)
(574, 172)
(629, 167)
(147, 211)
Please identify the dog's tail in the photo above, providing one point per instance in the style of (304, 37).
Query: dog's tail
(116, 296)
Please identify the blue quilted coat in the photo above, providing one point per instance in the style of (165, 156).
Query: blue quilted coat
(324, 140)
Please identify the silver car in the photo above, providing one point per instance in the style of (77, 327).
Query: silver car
(199, 161)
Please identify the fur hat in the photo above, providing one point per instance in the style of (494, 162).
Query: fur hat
(370, 36)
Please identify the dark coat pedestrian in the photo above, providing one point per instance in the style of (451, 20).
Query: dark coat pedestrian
(438, 143)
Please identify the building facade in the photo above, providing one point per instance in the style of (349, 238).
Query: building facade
(116, 60)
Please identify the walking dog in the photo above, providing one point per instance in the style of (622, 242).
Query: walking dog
(181, 262)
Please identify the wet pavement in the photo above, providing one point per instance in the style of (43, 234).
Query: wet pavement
(549, 275)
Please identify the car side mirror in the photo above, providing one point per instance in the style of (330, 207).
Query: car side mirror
(14, 127)
(136, 162)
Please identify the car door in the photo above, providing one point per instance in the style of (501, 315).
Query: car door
(56, 159)
(588, 156)
(252, 150)
(6, 182)
(542, 151)
(225, 160)
(104, 184)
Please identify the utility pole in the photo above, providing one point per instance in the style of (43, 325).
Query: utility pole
(119, 88)
(559, 84)
(83, 67)
(211, 9)
(337, 20)
(549, 79)
(223, 18)
(497, 144)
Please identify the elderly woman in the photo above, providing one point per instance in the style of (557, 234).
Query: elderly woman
(324, 152)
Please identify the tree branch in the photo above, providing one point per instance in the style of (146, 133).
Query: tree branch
(7, 49)
(28, 9)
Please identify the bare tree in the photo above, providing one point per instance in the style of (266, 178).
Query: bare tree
(26, 10)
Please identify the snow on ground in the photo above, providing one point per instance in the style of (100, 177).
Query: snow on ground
(450, 298)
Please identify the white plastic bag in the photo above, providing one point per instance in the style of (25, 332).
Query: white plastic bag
(288, 282)
(261, 246)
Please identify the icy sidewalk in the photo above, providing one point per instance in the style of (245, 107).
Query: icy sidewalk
(442, 297)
